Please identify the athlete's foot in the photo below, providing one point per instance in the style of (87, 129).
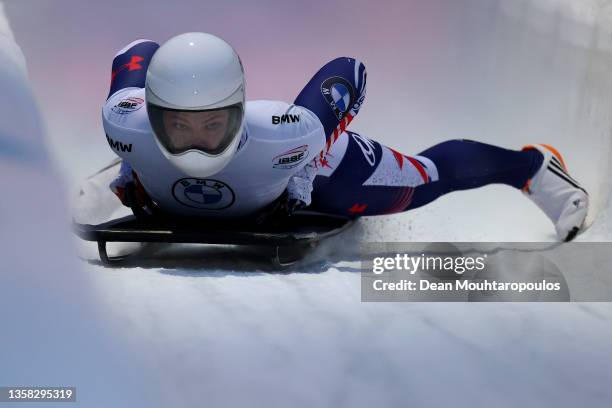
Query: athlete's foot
(561, 197)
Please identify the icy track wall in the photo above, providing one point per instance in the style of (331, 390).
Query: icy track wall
(50, 334)
(509, 73)
(576, 38)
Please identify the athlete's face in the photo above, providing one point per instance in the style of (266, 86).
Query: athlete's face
(206, 129)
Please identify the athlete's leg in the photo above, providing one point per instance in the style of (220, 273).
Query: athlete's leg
(335, 94)
(361, 177)
(465, 164)
(358, 176)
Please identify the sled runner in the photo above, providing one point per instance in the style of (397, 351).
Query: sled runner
(284, 244)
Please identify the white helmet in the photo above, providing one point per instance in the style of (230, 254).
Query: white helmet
(195, 102)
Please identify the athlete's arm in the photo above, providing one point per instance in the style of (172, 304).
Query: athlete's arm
(312, 139)
(129, 71)
(300, 184)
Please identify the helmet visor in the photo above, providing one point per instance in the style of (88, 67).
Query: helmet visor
(210, 131)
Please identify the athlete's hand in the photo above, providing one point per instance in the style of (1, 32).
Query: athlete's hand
(132, 194)
(279, 209)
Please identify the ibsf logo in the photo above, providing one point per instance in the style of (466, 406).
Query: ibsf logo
(339, 95)
(128, 105)
(291, 158)
(204, 194)
(285, 119)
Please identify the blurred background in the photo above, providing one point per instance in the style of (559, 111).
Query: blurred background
(506, 72)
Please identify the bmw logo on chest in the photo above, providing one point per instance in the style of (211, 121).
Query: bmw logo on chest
(339, 94)
(206, 194)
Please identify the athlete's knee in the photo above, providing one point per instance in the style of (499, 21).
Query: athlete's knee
(340, 85)
(351, 70)
(346, 64)
(455, 142)
(130, 65)
(444, 148)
